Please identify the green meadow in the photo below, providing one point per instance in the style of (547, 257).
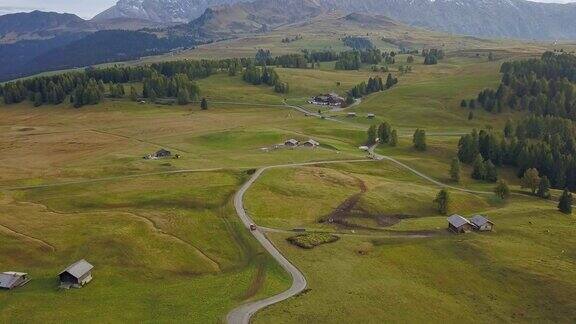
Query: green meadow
(168, 246)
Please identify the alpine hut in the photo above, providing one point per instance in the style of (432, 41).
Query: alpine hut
(76, 275)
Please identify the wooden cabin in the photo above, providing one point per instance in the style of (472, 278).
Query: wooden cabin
(459, 224)
(11, 280)
(162, 154)
(291, 143)
(482, 223)
(76, 275)
(311, 143)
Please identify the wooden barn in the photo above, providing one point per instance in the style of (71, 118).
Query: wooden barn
(162, 154)
(459, 224)
(10, 280)
(482, 223)
(311, 143)
(291, 143)
(76, 275)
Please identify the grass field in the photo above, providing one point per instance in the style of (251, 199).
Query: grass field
(163, 247)
(523, 272)
(168, 246)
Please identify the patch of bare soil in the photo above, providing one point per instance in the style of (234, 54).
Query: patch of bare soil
(339, 215)
(348, 209)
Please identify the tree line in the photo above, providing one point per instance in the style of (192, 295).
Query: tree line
(543, 86)
(545, 144)
(432, 56)
(88, 86)
(265, 75)
(375, 84)
(358, 43)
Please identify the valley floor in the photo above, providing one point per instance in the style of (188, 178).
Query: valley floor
(168, 246)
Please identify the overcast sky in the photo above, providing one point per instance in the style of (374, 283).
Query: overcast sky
(83, 8)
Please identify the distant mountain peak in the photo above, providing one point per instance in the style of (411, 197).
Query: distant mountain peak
(39, 25)
(165, 11)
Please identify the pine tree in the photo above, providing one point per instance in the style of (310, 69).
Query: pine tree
(419, 140)
(389, 81)
(479, 170)
(463, 103)
(37, 99)
(183, 97)
(455, 170)
(372, 134)
(384, 132)
(204, 104)
(470, 115)
(544, 188)
(491, 172)
(565, 204)
(442, 202)
(394, 138)
(531, 180)
(502, 190)
(508, 129)
(152, 95)
(133, 94)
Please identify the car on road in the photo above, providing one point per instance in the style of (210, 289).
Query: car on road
(253, 227)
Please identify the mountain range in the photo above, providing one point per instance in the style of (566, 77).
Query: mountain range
(164, 11)
(484, 18)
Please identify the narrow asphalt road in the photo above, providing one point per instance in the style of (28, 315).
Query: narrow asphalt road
(242, 314)
(422, 175)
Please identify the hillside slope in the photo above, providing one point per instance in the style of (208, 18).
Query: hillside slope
(520, 19)
(40, 25)
(258, 16)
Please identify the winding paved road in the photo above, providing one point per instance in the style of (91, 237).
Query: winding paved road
(242, 314)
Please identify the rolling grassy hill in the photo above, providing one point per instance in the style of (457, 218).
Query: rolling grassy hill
(167, 245)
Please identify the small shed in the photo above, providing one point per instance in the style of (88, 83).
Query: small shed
(459, 224)
(482, 223)
(351, 114)
(311, 143)
(371, 116)
(76, 275)
(10, 280)
(162, 154)
(291, 142)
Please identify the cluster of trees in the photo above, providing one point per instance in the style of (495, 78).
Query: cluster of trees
(90, 93)
(54, 90)
(432, 56)
(350, 60)
(287, 40)
(371, 56)
(387, 134)
(484, 169)
(178, 86)
(298, 61)
(263, 57)
(116, 90)
(164, 78)
(544, 87)
(419, 140)
(358, 43)
(383, 134)
(265, 75)
(321, 56)
(546, 144)
(375, 84)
